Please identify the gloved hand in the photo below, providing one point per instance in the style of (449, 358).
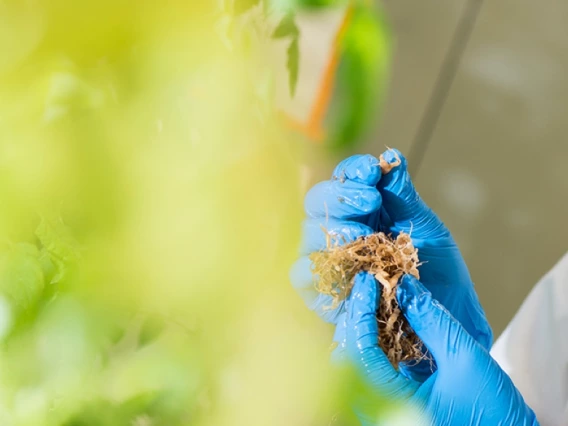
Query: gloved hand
(358, 201)
(468, 388)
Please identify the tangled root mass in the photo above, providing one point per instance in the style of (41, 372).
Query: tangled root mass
(388, 259)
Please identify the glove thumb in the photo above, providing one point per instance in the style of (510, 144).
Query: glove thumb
(442, 334)
(362, 337)
(404, 208)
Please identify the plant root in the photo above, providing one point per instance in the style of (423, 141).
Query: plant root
(388, 259)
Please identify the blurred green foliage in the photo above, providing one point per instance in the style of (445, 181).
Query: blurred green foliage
(149, 198)
(364, 53)
(287, 28)
(363, 76)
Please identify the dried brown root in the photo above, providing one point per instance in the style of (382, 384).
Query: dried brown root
(388, 259)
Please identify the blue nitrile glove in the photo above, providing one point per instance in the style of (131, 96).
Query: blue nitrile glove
(468, 388)
(359, 201)
(443, 272)
(342, 206)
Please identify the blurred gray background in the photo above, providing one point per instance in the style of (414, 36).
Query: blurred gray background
(478, 102)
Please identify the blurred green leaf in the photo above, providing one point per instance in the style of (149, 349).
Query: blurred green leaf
(287, 27)
(242, 6)
(151, 329)
(107, 119)
(59, 245)
(224, 26)
(320, 3)
(48, 267)
(293, 64)
(68, 93)
(22, 278)
(362, 76)
(105, 413)
(147, 409)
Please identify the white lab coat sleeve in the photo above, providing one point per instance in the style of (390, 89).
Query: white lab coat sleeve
(533, 350)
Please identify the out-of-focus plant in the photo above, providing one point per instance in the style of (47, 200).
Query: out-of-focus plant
(147, 193)
(361, 54)
(365, 50)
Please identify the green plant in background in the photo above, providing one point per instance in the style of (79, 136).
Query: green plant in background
(288, 28)
(363, 51)
(147, 191)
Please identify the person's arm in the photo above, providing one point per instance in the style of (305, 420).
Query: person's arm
(533, 350)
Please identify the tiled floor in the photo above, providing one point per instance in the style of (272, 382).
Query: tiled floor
(494, 165)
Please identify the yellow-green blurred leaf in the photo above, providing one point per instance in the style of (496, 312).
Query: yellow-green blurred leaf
(59, 244)
(293, 64)
(287, 27)
(242, 6)
(21, 279)
(363, 76)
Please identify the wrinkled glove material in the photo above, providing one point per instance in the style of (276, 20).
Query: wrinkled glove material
(358, 200)
(468, 388)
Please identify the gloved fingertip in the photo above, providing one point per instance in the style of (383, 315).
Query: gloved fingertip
(363, 169)
(396, 179)
(393, 156)
(409, 292)
(363, 286)
(340, 335)
(363, 297)
(315, 233)
(338, 355)
(339, 339)
(341, 200)
(411, 282)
